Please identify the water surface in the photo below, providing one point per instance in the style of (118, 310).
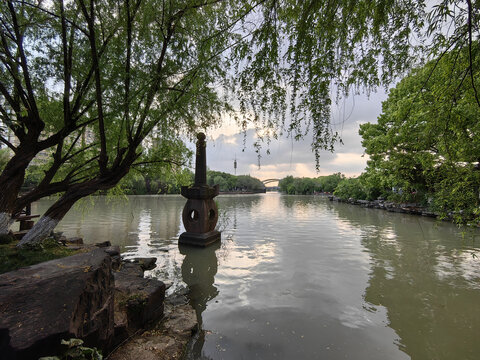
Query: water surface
(299, 277)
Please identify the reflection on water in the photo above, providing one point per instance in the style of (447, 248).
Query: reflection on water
(301, 277)
(427, 278)
(199, 268)
(122, 221)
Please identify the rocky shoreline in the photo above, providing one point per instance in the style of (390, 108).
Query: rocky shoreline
(404, 208)
(94, 296)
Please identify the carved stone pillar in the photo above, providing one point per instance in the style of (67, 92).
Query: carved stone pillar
(200, 213)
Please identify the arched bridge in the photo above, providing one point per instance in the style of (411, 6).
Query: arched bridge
(268, 181)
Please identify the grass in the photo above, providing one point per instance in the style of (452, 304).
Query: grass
(12, 258)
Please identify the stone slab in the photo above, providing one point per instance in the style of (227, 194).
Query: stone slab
(147, 263)
(74, 240)
(201, 240)
(201, 192)
(138, 301)
(42, 304)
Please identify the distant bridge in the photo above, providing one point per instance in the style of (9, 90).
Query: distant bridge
(268, 181)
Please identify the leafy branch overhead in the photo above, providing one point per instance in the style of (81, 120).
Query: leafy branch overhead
(88, 82)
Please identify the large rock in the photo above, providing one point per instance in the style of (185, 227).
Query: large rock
(138, 300)
(42, 304)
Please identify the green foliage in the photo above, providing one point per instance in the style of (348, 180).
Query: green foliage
(286, 184)
(351, 188)
(229, 182)
(76, 351)
(306, 46)
(306, 186)
(329, 183)
(426, 144)
(12, 258)
(153, 183)
(95, 82)
(161, 168)
(34, 175)
(247, 182)
(456, 194)
(373, 187)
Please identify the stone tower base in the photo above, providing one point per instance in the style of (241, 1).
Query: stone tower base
(201, 240)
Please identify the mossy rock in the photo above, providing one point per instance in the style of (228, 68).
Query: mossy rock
(12, 258)
(136, 302)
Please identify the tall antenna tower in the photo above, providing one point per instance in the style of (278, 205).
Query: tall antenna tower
(235, 164)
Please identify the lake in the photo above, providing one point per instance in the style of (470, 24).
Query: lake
(300, 277)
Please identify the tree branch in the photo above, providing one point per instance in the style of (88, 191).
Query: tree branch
(73, 24)
(36, 121)
(8, 143)
(156, 82)
(127, 74)
(470, 56)
(103, 159)
(167, 161)
(67, 65)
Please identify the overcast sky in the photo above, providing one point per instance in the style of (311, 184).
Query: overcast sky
(296, 158)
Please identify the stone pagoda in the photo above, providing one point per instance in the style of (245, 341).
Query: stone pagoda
(200, 213)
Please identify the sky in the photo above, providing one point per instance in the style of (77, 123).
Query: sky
(296, 158)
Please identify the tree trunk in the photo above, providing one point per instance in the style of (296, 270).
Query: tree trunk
(42, 229)
(11, 180)
(55, 213)
(148, 185)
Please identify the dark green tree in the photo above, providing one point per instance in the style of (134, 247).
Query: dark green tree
(427, 139)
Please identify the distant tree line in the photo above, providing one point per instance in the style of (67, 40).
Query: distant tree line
(151, 180)
(307, 186)
(229, 182)
(171, 183)
(150, 184)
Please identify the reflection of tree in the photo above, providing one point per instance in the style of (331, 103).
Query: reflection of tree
(227, 208)
(416, 274)
(230, 202)
(290, 201)
(199, 268)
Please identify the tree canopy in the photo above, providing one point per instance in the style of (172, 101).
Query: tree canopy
(307, 186)
(427, 139)
(229, 182)
(88, 81)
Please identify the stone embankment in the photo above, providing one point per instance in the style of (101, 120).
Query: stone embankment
(404, 208)
(167, 340)
(93, 296)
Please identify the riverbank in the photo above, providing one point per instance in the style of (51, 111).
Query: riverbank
(403, 208)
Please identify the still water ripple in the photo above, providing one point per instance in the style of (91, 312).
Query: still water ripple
(301, 277)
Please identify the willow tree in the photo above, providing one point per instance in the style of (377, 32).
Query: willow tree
(90, 80)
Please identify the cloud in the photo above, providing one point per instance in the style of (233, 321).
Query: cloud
(296, 158)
